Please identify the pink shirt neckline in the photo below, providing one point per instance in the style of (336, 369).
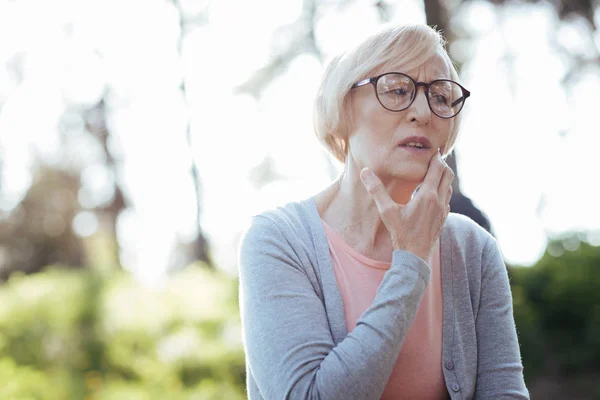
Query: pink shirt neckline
(355, 254)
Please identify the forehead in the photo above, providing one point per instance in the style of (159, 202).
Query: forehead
(435, 68)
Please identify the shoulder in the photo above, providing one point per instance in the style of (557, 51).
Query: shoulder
(281, 241)
(282, 228)
(467, 234)
(289, 219)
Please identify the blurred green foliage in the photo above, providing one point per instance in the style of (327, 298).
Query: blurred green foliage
(86, 334)
(557, 311)
(73, 334)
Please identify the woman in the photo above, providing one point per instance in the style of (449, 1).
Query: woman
(371, 289)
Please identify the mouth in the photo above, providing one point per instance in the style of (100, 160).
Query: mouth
(416, 142)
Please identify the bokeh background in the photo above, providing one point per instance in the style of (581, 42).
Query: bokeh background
(138, 137)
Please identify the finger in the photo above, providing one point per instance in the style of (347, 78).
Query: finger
(445, 183)
(434, 172)
(414, 193)
(448, 197)
(373, 184)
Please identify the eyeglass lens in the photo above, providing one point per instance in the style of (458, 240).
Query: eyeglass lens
(396, 91)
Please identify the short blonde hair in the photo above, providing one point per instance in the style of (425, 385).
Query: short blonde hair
(406, 46)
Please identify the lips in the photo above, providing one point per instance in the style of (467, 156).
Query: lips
(420, 142)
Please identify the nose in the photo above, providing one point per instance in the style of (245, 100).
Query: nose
(419, 110)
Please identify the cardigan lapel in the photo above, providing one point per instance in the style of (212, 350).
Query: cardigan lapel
(447, 266)
(334, 305)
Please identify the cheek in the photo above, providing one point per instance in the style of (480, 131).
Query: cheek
(368, 112)
(444, 129)
(382, 125)
(367, 146)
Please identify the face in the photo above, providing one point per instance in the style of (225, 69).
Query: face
(376, 140)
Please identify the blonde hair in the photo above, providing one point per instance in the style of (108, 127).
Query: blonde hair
(405, 46)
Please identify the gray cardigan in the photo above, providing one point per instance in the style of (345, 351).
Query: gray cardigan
(294, 330)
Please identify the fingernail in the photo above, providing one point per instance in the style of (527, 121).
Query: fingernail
(365, 174)
(367, 177)
(415, 191)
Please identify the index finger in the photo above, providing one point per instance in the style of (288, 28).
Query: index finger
(434, 172)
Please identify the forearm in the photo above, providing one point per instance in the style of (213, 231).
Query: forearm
(289, 345)
(370, 351)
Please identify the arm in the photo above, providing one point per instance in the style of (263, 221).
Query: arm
(286, 334)
(499, 371)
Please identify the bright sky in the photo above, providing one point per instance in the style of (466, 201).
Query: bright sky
(510, 151)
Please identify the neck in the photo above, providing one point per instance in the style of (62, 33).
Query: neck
(351, 211)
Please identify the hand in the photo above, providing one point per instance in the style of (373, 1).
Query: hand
(416, 226)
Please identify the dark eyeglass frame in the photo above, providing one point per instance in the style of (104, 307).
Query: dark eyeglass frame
(373, 80)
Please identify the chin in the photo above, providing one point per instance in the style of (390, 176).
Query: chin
(411, 173)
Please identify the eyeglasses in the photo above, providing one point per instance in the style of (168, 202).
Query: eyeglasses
(396, 92)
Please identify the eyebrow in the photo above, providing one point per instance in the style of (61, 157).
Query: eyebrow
(441, 76)
(437, 76)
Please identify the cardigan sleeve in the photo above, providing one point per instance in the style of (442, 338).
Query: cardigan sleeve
(288, 344)
(499, 370)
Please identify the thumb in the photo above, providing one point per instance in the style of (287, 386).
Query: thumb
(377, 191)
(369, 179)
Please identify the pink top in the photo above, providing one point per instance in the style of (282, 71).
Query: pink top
(417, 373)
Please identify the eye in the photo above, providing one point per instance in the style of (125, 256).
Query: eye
(440, 99)
(398, 91)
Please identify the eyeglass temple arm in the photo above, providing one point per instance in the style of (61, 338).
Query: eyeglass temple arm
(363, 82)
(457, 101)
(462, 98)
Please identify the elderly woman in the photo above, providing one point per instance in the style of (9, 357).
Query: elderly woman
(371, 289)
